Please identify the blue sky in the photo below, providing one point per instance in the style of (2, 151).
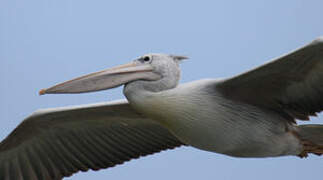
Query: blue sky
(43, 42)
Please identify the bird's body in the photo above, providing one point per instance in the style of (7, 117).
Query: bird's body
(250, 115)
(212, 122)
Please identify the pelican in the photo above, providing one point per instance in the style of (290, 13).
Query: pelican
(250, 115)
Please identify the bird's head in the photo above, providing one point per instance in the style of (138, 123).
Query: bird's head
(159, 70)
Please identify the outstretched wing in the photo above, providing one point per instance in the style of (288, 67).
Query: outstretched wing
(54, 143)
(291, 85)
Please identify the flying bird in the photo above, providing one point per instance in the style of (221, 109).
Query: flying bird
(249, 115)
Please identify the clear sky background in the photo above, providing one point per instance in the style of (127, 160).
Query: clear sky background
(43, 42)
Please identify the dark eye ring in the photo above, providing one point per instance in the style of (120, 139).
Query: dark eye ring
(146, 58)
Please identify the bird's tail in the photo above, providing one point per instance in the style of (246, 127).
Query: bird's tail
(312, 139)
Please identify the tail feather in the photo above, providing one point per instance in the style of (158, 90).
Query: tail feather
(312, 139)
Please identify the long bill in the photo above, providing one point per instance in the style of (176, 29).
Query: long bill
(106, 79)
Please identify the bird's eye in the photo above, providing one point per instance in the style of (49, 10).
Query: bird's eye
(146, 59)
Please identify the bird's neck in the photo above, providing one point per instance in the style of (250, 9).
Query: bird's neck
(140, 93)
(149, 99)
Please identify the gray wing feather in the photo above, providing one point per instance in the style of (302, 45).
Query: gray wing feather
(291, 85)
(55, 143)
